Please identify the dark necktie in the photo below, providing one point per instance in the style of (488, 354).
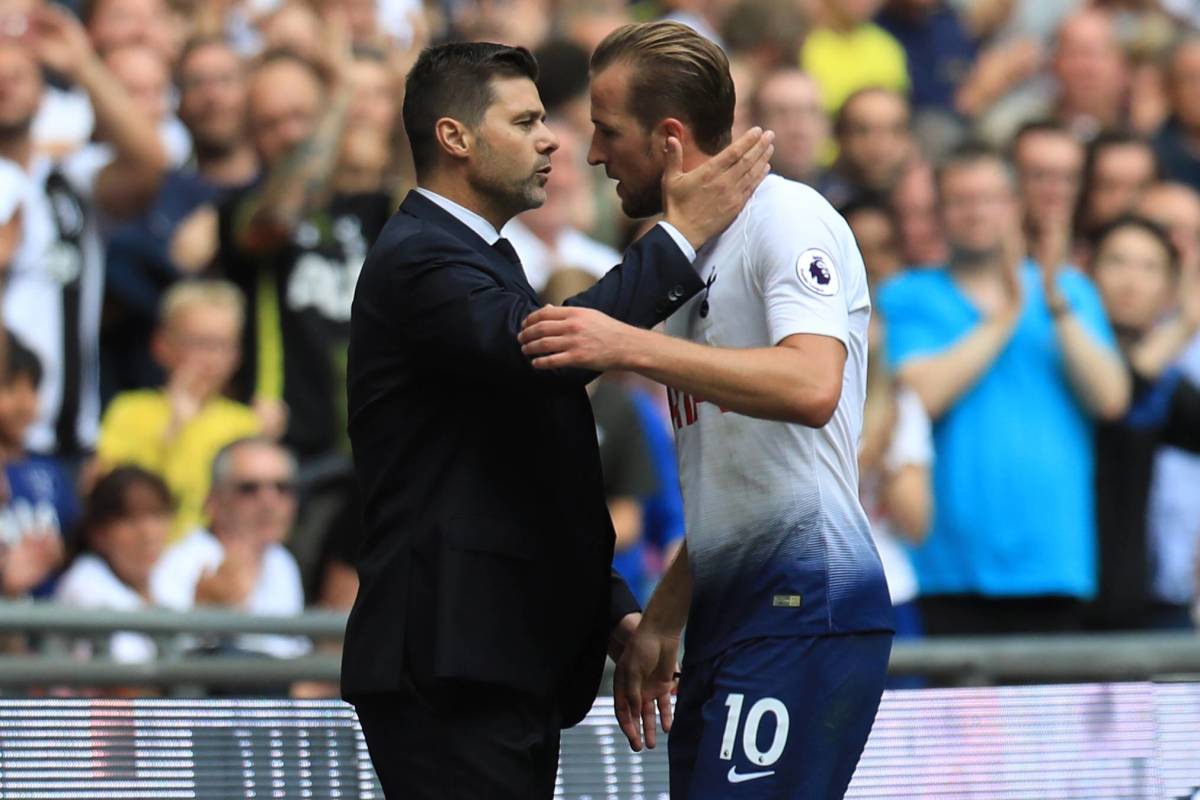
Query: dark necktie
(504, 247)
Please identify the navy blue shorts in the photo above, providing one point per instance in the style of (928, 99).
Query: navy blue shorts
(777, 717)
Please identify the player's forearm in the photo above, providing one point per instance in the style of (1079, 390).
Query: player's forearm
(942, 379)
(777, 383)
(667, 611)
(1096, 373)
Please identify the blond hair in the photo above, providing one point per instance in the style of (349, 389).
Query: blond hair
(206, 292)
(676, 72)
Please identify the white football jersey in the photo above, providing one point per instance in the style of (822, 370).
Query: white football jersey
(778, 542)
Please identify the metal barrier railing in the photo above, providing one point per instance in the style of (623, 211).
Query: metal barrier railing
(972, 661)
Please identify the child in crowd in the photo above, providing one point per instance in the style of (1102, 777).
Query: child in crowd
(125, 530)
(175, 431)
(39, 506)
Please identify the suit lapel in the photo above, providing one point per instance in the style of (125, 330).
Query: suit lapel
(421, 207)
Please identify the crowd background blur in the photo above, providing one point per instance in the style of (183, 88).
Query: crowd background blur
(188, 189)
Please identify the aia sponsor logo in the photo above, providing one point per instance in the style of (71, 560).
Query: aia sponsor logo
(685, 408)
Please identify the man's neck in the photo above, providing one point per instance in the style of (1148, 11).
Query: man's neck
(466, 197)
(233, 167)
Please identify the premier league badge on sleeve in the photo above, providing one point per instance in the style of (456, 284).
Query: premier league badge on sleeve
(817, 272)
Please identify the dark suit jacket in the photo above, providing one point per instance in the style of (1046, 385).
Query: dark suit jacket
(487, 547)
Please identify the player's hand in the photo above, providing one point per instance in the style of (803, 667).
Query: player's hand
(556, 337)
(702, 203)
(645, 678)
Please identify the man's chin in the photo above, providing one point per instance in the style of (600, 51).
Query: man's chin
(641, 207)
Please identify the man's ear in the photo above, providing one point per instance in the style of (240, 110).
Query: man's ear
(670, 128)
(454, 138)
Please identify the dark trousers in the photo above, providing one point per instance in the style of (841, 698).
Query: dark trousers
(971, 614)
(461, 741)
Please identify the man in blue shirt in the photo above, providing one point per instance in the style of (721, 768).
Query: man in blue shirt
(1012, 360)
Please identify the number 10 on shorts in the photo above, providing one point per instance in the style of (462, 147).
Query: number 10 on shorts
(765, 706)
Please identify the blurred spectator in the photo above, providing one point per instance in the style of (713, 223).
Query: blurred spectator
(124, 532)
(1086, 89)
(54, 296)
(1178, 143)
(1049, 164)
(874, 138)
(1176, 208)
(66, 120)
(1136, 269)
(1119, 167)
(1174, 523)
(846, 52)
(953, 74)
(40, 508)
(177, 235)
(939, 50)
(375, 97)
(147, 78)
(240, 561)
(895, 455)
(294, 26)
(766, 34)
(1011, 359)
(913, 201)
(788, 101)
(295, 251)
(545, 238)
(896, 448)
(118, 23)
(175, 431)
(1092, 74)
(878, 238)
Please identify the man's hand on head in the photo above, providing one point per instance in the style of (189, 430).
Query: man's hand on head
(704, 201)
(558, 337)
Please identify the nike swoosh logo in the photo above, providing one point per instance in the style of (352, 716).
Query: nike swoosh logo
(741, 777)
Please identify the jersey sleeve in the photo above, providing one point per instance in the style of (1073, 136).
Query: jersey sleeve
(799, 262)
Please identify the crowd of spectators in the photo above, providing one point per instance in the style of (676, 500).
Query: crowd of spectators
(188, 189)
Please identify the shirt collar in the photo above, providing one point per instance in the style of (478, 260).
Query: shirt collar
(466, 216)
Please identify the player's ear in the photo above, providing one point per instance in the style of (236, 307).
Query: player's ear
(669, 128)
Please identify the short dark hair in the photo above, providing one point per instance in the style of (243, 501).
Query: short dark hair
(1038, 126)
(841, 119)
(970, 154)
(1149, 226)
(676, 73)
(455, 80)
(562, 73)
(22, 363)
(109, 499)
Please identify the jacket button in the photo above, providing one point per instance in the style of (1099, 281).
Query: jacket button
(675, 294)
(661, 308)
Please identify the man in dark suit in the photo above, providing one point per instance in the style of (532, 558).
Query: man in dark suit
(487, 602)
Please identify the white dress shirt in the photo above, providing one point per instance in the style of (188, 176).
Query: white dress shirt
(488, 233)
